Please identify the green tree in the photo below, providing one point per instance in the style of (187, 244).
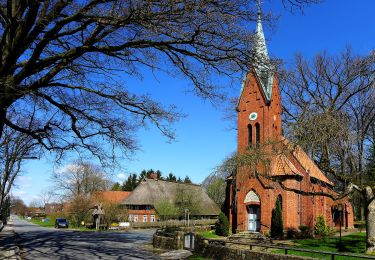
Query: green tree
(187, 180)
(5, 210)
(130, 183)
(321, 228)
(277, 228)
(222, 225)
(166, 209)
(185, 199)
(171, 177)
(216, 191)
(116, 186)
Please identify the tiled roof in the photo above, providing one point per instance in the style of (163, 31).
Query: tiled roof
(281, 166)
(305, 161)
(112, 196)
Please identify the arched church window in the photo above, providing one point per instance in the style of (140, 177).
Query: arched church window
(250, 134)
(257, 133)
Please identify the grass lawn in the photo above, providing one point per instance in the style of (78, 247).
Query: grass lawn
(354, 243)
(49, 224)
(196, 257)
(209, 234)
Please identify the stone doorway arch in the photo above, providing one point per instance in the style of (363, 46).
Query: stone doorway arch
(252, 202)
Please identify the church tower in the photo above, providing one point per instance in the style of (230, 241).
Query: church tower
(259, 106)
(251, 197)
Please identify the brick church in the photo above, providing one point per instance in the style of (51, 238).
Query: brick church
(251, 198)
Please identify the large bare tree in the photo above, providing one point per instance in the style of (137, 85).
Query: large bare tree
(79, 179)
(329, 105)
(15, 147)
(64, 64)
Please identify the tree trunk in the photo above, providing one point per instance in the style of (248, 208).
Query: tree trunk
(2, 120)
(370, 225)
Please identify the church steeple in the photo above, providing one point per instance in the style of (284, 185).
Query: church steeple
(260, 46)
(261, 62)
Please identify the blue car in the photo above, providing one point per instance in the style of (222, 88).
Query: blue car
(61, 223)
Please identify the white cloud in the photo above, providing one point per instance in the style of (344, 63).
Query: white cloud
(18, 193)
(121, 176)
(23, 182)
(67, 168)
(35, 197)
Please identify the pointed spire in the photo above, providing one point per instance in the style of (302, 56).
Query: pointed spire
(260, 46)
(263, 69)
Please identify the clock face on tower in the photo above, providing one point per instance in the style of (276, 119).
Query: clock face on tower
(253, 116)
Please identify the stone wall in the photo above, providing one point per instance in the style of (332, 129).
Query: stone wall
(173, 241)
(220, 252)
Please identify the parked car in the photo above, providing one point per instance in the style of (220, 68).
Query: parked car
(61, 223)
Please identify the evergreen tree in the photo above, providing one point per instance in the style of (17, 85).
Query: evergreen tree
(116, 186)
(5, 210)
(277, 228)
(159, 174)
(222, 225)
(131, 183)
(171, 177)
(143, 175)
(187, 180)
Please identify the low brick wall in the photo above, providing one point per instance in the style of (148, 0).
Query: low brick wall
(220, 252)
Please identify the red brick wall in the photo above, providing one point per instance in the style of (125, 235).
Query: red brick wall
(141, 212)
(297, 210)
(269, 117)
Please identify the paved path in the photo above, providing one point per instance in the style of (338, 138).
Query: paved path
(8, 248)
(45, 243)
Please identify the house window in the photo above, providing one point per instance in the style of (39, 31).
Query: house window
(152, 218)
(148, 207)
(250, 134)
(144, 218)
(257, 133)
(130, 217)
(135, 218)
(136, 207)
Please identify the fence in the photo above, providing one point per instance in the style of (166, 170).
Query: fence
(173, 223)
(288, 249)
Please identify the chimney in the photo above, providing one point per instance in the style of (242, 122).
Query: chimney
(153, 176)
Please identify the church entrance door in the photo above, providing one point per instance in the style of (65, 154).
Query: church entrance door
(253, 218)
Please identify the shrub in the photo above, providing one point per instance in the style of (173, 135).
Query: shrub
(277, 229)
(222, 225)
(361, 225)
(321, 228)
(306, 232)
(292, 233)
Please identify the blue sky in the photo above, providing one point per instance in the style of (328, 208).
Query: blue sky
(203, 137)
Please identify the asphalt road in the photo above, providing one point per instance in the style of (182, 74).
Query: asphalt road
(45, 243)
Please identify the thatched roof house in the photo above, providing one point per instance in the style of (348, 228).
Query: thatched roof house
(151, 191)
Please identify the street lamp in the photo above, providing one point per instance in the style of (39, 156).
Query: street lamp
(187, 215)
(340, 208)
